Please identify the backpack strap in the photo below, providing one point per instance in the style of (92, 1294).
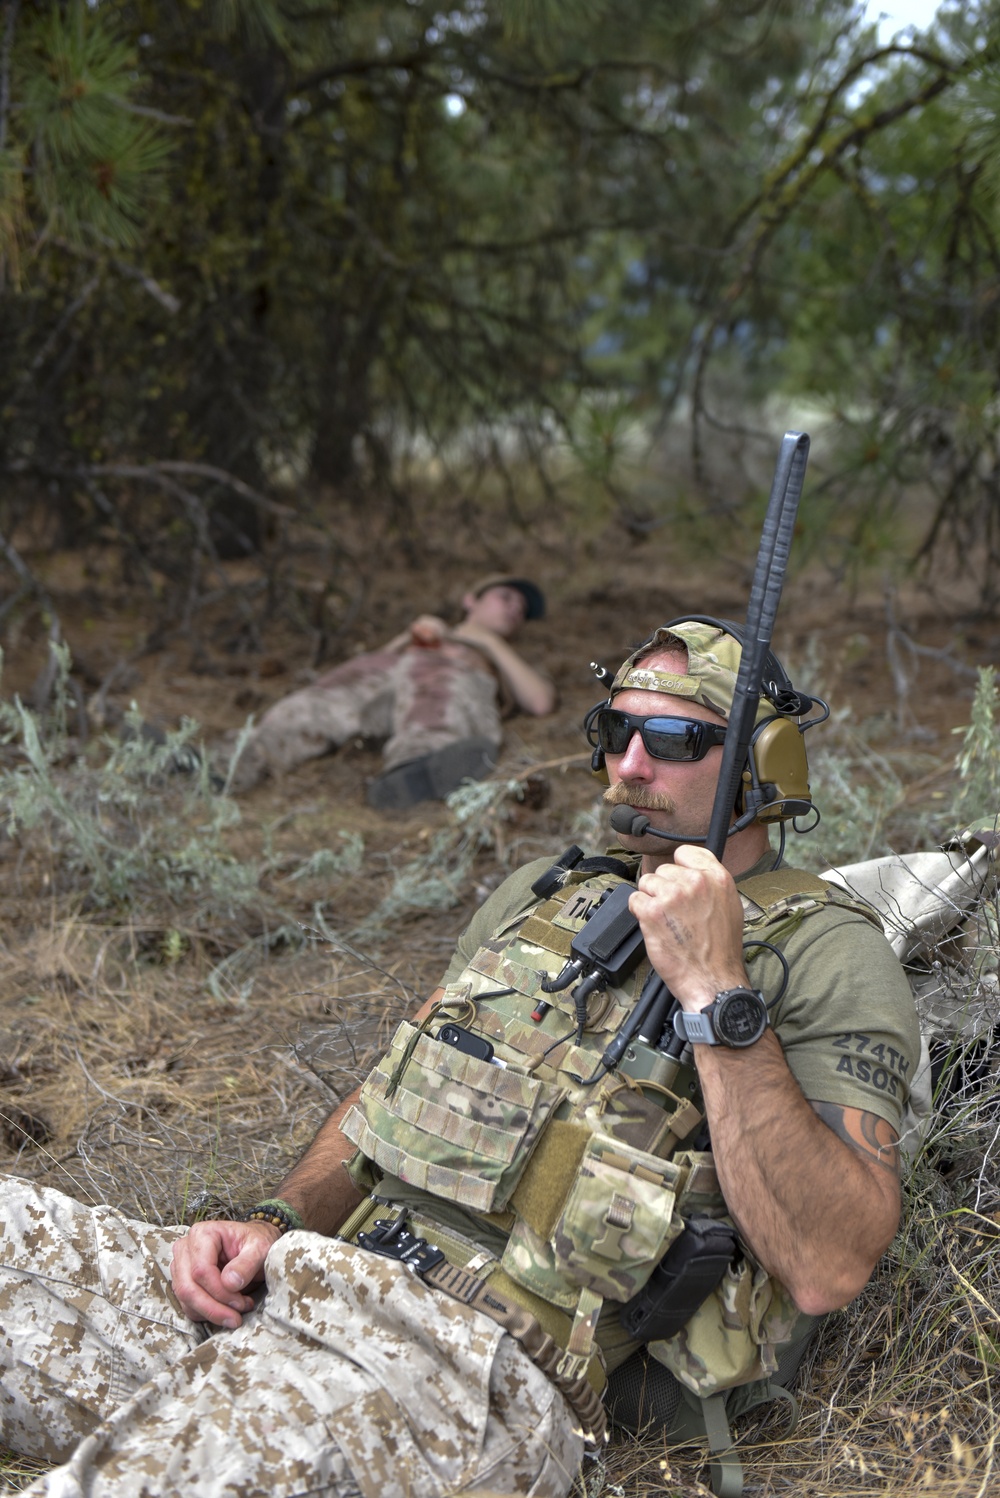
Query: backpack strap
(778, 884)
(725, 1467)
(786, 896)
(726, 1470)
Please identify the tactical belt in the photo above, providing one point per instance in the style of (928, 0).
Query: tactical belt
(390, 1238)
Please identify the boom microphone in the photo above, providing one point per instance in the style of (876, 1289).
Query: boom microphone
(632, 823)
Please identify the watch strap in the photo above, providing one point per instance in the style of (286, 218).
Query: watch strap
(695, 1028)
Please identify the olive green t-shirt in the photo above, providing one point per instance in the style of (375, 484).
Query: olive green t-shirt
(846, 1018)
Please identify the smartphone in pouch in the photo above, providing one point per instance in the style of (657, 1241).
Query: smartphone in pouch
(472, 1045)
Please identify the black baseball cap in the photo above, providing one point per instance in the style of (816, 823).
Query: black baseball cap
(534, 598)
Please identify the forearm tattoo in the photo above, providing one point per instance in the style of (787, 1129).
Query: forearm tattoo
(865, 1132)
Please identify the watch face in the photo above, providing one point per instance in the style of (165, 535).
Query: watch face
(741, 1018)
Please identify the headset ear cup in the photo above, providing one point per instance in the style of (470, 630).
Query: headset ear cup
(778, 772)
(599, 767)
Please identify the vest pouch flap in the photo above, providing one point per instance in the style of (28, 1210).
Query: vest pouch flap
(447, 1122)
(618, 1218)
(734, 1336)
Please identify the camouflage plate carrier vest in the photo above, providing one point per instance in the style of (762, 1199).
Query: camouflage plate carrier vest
(593, 1180)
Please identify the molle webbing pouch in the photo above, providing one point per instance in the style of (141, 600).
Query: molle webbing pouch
(540, 945)
(735, 1334)
(449, 1123)
(604, 1228)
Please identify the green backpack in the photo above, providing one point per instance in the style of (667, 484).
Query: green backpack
(644, 1396)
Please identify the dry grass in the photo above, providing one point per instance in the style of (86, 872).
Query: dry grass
(146, 1089)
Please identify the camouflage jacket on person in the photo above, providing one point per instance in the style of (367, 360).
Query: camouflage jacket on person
(590, 1174)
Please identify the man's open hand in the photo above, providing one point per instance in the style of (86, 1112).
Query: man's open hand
(214, 1263)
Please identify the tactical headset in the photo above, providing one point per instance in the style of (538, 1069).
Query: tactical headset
(775, 782)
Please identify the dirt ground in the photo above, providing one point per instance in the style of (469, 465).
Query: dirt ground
(901, 660)
(127, 1076)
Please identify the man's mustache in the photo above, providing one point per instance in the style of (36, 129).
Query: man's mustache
(634, 795)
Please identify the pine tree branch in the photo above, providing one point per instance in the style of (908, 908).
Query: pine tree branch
(166, 299)
(74, 307)
(151, 114)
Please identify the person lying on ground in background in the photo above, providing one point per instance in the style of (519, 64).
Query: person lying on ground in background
(436, 695)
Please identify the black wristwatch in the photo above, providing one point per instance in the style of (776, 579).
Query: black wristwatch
(736, 1017)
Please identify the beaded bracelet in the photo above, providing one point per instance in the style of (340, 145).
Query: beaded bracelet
(276, 1212)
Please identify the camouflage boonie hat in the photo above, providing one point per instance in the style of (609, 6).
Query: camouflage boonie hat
(713, 662)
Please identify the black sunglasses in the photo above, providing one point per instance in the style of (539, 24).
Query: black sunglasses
(664, 738)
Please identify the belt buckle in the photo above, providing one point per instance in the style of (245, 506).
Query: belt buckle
(573, 1365)
(390, 1238)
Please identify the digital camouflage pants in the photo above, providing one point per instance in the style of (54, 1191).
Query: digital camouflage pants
(352, 1377)
(417, 700)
